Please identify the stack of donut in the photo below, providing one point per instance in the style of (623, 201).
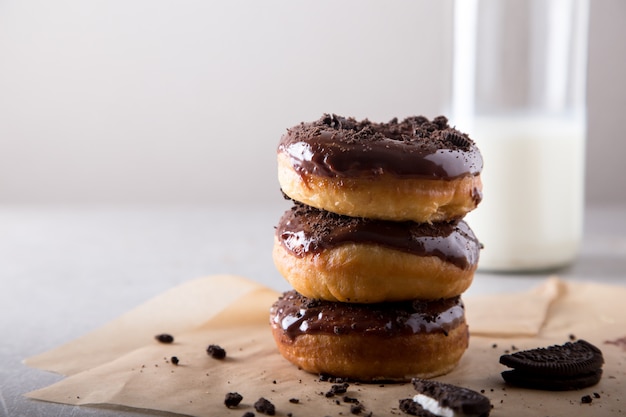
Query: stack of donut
(375, 246)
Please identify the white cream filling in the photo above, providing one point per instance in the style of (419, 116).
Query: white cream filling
(432, 405)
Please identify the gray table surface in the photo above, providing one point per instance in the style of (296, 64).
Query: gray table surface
(66, 270)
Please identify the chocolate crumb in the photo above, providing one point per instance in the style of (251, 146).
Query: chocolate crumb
(330, 378)
(352, 400)
(586, 399)
(458, 139)
(596, 395)
(174, 360)
(294, 400)
(572, 337)
(337, 389)
(356, 408)
(216, 352)
(248, 414)
(408, 406)
(232, 399)
(164, 338)
(264, 406)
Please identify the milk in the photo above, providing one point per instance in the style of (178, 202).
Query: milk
(531, 215)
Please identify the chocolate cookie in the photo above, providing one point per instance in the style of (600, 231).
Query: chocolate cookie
(437, 399)
(573, 365)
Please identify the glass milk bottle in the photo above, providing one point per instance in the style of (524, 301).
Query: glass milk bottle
(518, 89)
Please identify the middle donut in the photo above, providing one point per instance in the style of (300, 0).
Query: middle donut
(328, 256)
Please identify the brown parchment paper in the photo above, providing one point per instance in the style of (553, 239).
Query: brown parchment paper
(138, 372)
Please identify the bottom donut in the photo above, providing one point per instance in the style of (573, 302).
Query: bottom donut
(370, 342)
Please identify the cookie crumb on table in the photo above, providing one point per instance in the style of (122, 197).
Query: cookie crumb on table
(216, 352)
(264, 406)
(232, 399)
(164, 338)
(337, 389)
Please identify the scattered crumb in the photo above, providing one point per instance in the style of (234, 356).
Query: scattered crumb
(337, 389)
(216, 352)
(356, 408)
(164, 338)
(330, 378)
(232, 399)
(265, 406)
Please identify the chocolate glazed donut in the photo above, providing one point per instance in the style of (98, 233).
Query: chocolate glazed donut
(385, 341)
(418, 170)
(357, 260)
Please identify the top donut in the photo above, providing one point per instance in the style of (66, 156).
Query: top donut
(416, 169)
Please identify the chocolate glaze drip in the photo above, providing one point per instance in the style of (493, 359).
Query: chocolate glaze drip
(297, 315)
(335, 146)
(303, 230)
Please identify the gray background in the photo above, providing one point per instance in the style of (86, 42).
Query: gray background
(184, 102)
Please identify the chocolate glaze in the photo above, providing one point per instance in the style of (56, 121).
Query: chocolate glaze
(303, 230)
(297, 315)
(335, 146)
